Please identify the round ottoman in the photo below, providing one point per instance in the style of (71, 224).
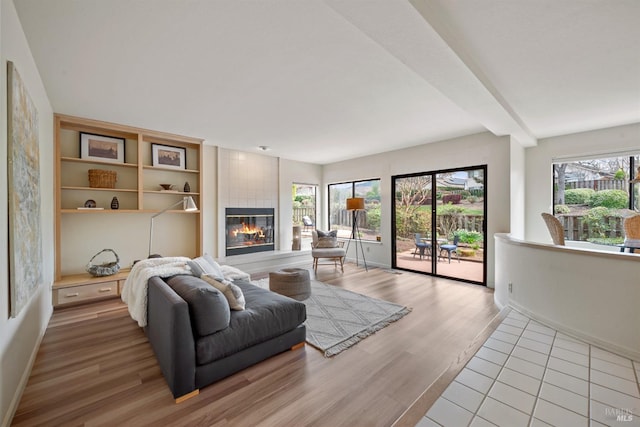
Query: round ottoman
(292, 282)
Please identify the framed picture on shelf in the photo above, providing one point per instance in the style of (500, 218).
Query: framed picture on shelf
(166, 156)
(101, 148)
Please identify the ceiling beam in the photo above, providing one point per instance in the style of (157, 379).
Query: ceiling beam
(422, 42)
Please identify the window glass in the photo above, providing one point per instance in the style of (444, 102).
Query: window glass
(368, 220)
(339, 217)
(591, 197)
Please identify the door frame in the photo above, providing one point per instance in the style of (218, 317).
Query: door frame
(434, 269)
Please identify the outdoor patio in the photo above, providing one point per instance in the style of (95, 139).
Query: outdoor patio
(465, 269)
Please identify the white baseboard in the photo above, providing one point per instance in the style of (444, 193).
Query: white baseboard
(589, 339)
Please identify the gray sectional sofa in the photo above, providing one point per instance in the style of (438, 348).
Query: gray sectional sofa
(198, 340)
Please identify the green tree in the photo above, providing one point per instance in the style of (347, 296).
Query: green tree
(411, 194)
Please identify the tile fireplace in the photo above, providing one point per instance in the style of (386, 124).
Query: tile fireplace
(249, 230)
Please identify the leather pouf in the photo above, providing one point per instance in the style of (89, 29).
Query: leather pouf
(292, 282)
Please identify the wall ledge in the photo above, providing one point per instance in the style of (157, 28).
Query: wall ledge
(506, 237)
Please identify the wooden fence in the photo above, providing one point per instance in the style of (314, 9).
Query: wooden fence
(299, 213)
(576, 228)
(444, 222)
(599, 184)
(462, 222)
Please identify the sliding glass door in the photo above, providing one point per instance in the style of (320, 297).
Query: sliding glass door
(439, 223)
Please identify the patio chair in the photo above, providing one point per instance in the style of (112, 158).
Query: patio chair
(451, 248)
(306, 221)
(422, 247)
(555, 228)
(631, 227)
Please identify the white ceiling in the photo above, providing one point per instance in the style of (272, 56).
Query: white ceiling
(323, 81)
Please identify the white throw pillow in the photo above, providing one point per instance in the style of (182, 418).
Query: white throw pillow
(206, 265)
(232, 292)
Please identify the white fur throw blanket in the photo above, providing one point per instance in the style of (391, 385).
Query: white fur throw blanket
(134, 292)
(231, 273)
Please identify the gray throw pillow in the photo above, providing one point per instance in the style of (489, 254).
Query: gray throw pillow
(208, 307)
(327, 239)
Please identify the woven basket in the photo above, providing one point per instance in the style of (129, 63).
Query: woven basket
(104, 269)
(99, 178)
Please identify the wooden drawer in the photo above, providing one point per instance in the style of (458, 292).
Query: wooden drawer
(83, 293)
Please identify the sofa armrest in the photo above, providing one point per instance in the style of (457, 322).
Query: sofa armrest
(170, 334)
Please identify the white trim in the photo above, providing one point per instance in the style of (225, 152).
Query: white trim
(596, 155)
(589, 339)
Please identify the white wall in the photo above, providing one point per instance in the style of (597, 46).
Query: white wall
(20, 336)
(539, 179)
(589, 294)
(480, 149)
(209, 199)
(517, 182)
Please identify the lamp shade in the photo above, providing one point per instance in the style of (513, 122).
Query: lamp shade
(189, 205)
(355, 204)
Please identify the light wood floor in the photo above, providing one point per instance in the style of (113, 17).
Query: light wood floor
(95, 366)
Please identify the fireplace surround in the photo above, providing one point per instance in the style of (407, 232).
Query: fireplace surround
(249, 230)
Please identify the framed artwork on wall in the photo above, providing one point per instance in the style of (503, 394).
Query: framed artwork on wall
(166, 156)
(25, 231)
(101, 148)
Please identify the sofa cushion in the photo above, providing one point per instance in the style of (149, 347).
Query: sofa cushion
(266, 315)
(206, 265)
(231, 292)
(208, 308)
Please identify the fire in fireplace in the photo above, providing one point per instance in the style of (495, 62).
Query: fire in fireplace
(249, 230)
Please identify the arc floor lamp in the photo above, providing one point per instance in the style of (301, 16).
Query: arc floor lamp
(355, 205)
(188, 205)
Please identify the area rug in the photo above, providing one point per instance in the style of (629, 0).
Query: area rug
(338, 319)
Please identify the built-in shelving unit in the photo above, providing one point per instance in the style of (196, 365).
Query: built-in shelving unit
(137, 187)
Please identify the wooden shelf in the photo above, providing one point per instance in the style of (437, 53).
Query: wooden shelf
(138, 179)
(121, 190)
(159, 168)
(174, 193)
(86, 278)
(97, 162)
(99, 211)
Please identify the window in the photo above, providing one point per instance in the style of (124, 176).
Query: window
(368, 221)
(591, 196)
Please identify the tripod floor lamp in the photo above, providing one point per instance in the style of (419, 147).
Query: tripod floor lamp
(188, 205)
(356, 204)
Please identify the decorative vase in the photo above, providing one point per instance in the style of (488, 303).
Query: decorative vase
(115, 204)
(187, 187)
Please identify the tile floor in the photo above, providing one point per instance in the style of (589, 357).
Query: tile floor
(527, 374)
